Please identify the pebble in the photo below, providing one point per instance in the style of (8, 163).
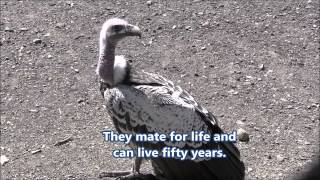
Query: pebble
(76, 70)
(280, 158)
(7, 29)
(60, 25)
(205, 24)
(50, 56)
(234, 92)
(24, 29)
(261, 67)
(149, 3)
(307, 143)
(80, 100)
(36, 151)
(240, 122)
(250, 169)
(3, 160)
(188, 28)
(203, 48)
(174, 27)
(243, 136)
(289, 107)
(70, 3)
(33, 110)
(64, 141)
(37, 41)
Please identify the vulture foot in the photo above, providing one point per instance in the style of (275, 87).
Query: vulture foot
(127, 175)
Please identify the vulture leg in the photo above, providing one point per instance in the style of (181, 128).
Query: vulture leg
(136, 165)
(133, 174)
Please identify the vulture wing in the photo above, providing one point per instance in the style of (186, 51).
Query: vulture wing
(149, 103)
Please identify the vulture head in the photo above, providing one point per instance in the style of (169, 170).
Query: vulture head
(111, 68)
(115, 29)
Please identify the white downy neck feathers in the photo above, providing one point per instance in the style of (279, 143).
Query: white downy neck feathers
(120, 69)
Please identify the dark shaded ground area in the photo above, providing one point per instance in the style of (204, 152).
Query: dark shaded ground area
(253, 64)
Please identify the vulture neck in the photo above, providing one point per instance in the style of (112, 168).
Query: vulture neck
(105, 68)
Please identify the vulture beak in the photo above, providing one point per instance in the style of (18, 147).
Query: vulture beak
(133, 31)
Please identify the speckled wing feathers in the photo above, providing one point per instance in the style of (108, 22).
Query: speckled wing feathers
(160, 107)
(149, 103)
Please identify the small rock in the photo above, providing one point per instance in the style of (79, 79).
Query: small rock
(76, 70)
(60, 25)
(261, 67)
(8, 29)
(174, 27)
(80, 100)
(289, 107)
(250, 169)
(3, 159)
(36, 151)
(203, 48)
(242, 135)
(37, 41)
(80, 36)
(216, 23)
(280, 158)
(149, 3)
(64, 141)
(70, 3)
(307, 143)
(233, 92)
(200, 13)
(188, 27)
(24, 29)
(240, 122)
(205, 24)
(33, 110)
(50, 56)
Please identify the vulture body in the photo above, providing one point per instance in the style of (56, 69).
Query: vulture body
(141, 102)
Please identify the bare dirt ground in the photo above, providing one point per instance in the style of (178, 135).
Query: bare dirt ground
(255, 65)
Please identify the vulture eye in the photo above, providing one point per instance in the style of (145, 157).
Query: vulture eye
(117, 28)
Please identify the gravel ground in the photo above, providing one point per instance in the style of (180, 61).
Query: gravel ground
(254, 64)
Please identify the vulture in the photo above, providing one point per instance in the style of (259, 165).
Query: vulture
(140, 102)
